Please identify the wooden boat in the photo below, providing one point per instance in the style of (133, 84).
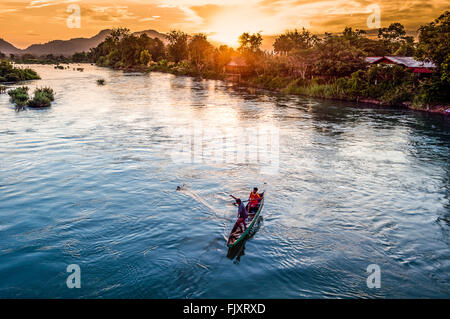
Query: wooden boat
(236, 235)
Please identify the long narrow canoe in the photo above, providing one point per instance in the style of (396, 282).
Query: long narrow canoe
(236, 235)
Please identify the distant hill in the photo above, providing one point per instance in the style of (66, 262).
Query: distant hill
(152, 34)
(69, 47)
(7, 48)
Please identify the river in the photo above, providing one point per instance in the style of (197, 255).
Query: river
(93, 180)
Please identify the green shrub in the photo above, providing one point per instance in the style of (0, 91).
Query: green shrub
(13, 77)
(397, 95)
(40, 99)
(101, 61)
(47, 91)
(183, 68)
(19, 96)
(8, 73)
(296, 86)
(163, 62)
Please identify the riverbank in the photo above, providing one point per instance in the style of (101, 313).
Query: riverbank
(344, 89)
(10, 74)
(285, 85)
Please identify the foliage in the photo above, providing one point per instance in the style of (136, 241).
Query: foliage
(273, 82)
(9, 73)
(302, 61)
(391, 85)
(335, 57)
(434, 39)
(395, 32)
(395, 40)
(178, 45)
(431, 91)
(79, 57)
(124, 50)
(145, 57)
(200, 52)
(294, 40)
(250, 50)
(44, 59)
(47, 91)
(358, 40)
(19, 96)
(250, 42)
(223, 56)
(42, 97)
(39, 100)
(155, 47)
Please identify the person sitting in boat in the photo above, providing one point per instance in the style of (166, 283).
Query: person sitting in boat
(242, 215)
(254, 200)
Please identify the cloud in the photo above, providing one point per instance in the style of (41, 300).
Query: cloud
(153, 18)
(3, 11)
(114, 13)
(45, 3)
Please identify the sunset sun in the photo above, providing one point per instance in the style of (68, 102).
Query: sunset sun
(228, 26)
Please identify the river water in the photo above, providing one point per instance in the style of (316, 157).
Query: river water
(92, 181)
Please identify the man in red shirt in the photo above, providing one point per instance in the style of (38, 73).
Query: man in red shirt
(254, 200)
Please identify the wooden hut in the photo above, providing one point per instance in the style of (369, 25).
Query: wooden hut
(235, 68)
(410, 63)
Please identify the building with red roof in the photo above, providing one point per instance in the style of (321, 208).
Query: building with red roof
(412, 64)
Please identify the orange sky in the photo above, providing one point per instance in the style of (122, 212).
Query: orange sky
(23, 22)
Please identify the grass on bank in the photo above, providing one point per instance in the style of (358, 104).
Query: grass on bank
(391, 86)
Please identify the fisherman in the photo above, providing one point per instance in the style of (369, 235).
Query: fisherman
(254, 200)
(242, 215)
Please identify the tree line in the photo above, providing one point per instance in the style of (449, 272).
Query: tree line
(330, 65)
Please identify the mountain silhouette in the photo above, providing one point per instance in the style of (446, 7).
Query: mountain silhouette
(69, 47)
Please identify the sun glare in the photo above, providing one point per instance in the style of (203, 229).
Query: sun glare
(228, 26)
(226, 37)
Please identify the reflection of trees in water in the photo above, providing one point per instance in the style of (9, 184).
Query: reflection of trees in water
(199, 92)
